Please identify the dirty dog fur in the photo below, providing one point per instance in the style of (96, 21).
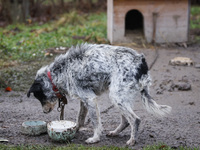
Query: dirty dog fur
(86, 71)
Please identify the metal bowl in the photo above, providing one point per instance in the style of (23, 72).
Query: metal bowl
(36, 127)
(62, 130)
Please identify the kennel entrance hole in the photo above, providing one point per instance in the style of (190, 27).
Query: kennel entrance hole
(134, 23)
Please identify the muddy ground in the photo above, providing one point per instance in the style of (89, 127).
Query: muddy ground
(181, 127)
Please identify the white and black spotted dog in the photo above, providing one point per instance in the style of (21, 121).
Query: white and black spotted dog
(86, 71)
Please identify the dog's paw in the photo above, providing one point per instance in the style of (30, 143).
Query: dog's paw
(130, 142)
(92, 140)
(84, 129)
(111, 133)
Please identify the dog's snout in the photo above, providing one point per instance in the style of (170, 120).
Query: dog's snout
(48, 107)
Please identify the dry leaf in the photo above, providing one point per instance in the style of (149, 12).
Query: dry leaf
(8, 89)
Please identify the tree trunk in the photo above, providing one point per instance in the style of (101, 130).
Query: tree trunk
(26, 10)
(16, 10)
(62, 4)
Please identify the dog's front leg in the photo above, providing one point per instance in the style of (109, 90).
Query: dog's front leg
(81, 116)
(95, 119)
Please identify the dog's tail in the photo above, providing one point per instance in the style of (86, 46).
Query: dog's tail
(152, 106)
(144, 83)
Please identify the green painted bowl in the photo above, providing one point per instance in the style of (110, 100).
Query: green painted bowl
(62, 130)
(34, 127)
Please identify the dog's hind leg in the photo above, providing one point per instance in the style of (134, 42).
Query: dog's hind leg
(94, 114)
(81, 116)
(123, 125)
(133, 120)
(125, 108)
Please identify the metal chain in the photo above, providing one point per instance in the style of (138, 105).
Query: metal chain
(62, 112)
(61, 107)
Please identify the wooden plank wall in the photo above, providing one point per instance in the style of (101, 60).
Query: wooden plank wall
(171, 22)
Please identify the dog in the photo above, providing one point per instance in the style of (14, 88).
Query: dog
(85, 72)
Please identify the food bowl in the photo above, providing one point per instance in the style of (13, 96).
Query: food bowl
(62, 130)
(36, 127)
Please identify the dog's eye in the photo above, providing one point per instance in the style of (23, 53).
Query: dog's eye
(40, 96)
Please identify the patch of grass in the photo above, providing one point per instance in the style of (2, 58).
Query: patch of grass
(165, 147)
(67, 147)
(20, 42)
(82, 147)
(195, 24)
(195, 17)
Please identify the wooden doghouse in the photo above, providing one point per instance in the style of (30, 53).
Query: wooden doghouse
(159, 21)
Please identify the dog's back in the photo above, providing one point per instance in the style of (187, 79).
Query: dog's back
(95, 65)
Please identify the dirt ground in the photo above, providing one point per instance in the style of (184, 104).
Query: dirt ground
(181, 127)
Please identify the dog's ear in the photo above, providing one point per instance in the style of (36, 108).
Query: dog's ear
(36, 87)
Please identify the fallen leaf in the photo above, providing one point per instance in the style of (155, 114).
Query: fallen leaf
(61, 21)
(8, 89)
(191, 103)
(162, 146)
(29, 21)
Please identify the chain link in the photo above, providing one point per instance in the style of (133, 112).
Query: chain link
(61, 106)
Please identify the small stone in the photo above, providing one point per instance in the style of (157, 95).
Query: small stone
(181, 86)
(3, 140)
(191, 103)
(181, 61)
(151, 136)
(184, 86)
(197, 66)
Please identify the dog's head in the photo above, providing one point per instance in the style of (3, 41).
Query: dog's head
(42, 90)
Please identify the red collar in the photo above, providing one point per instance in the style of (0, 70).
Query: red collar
(55, 89)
